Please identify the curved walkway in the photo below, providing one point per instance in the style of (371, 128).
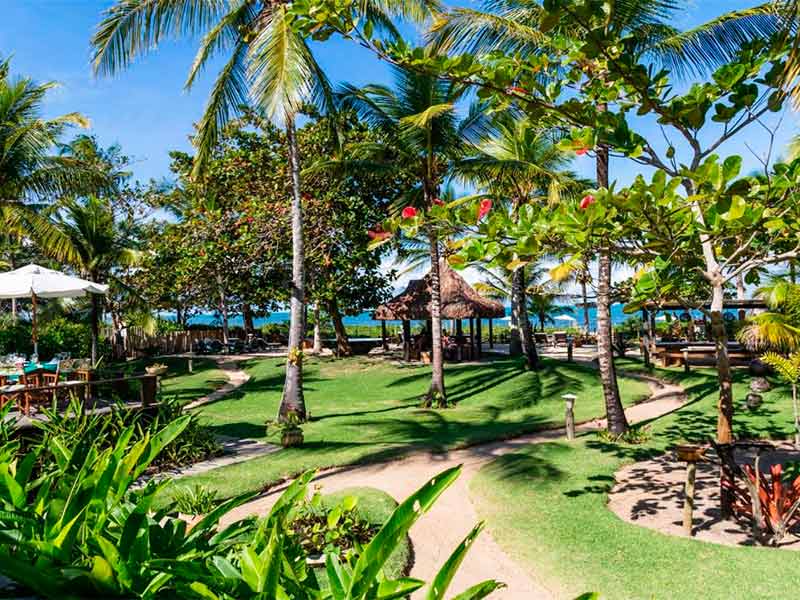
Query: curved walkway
(438, 533)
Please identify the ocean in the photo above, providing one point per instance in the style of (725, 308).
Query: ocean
(365, 319)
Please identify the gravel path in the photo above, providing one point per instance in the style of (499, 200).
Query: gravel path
(438, 533)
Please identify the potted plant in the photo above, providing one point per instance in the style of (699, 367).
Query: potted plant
(290, 430)
(156, 369)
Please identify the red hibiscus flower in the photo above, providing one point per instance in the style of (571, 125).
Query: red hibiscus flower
(250, 219)
(437, 202)
(587, 201)
(484, 207)
(581, 151)
(409, 212)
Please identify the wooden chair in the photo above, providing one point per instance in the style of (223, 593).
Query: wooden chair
(32, 397)
(50, 377)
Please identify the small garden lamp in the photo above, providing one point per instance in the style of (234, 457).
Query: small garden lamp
(569, 417)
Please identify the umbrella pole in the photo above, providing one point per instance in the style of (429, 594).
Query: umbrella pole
(34, 333)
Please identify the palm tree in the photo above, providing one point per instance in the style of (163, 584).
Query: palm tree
(423, 136)
(31, 173)
(778, 332)
(268, 64)
(513, 26)
(92, 243)
(519, 161)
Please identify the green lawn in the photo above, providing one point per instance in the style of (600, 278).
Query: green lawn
(178, 382)
(367, 409)
(546, 505)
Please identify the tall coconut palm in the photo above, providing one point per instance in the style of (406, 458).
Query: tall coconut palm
(519, 161)
(268, 65)
(32, 173)
(93, 244)
(423, 135)
(513, 26)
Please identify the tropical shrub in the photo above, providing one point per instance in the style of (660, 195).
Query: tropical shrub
(778, 507)
(336, 530)
(57, 334)
(194, 500)
(195, 443)
(82, 532)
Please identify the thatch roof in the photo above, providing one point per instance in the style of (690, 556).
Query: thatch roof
(459, 300)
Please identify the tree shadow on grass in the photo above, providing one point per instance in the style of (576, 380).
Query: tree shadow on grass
(241, 430)
(526, 465)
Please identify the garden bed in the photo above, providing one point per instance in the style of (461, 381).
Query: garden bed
(650, 494)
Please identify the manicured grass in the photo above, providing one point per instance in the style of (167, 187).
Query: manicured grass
(546, 506)
(178, 382)
(367, 409)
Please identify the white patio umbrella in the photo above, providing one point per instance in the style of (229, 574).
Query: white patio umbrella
(34, 282)
(565, 318)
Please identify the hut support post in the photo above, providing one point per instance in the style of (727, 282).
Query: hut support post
(383, 335)
(406, 341)
(491, 335)
(459, 341)
(471, 338)
(479, 344)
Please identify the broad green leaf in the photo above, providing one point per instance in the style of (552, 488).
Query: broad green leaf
(375, 554)
(438, 587)
(479, 590)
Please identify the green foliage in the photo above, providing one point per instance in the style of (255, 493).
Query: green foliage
(56, 334)
(633, 436)
(194, 500)
(78, 529)
(788, 367)
(339, 529)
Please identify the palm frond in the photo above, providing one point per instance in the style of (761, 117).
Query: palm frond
(131, 28)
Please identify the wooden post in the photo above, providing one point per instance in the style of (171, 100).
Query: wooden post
(459, 340)
(149, 388)
(491, 335)
(191, 364)
(471, 338)
(688, 497)
(569, 415)
(383, 335)
(685, 360)
(406, 341)
(569, 350)
(646, 338)
(479, 345)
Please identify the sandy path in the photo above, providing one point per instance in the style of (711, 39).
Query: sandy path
(438, 533)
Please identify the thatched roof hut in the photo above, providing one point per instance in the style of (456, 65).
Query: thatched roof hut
(459, 300)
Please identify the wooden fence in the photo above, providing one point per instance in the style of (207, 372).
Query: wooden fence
(137, 342)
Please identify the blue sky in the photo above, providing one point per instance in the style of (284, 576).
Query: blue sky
(146, 110)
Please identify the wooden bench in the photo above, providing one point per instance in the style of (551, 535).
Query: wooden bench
(701, 356)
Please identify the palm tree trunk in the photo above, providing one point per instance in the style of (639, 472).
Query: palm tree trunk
(342, 343)
(615, 413)
(317, 330)
(523, 322)
(292, 401)
(515, 329)
(436, 394)
(223, 310)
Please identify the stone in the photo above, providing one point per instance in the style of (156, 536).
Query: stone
(759, 385)
(754, 400)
